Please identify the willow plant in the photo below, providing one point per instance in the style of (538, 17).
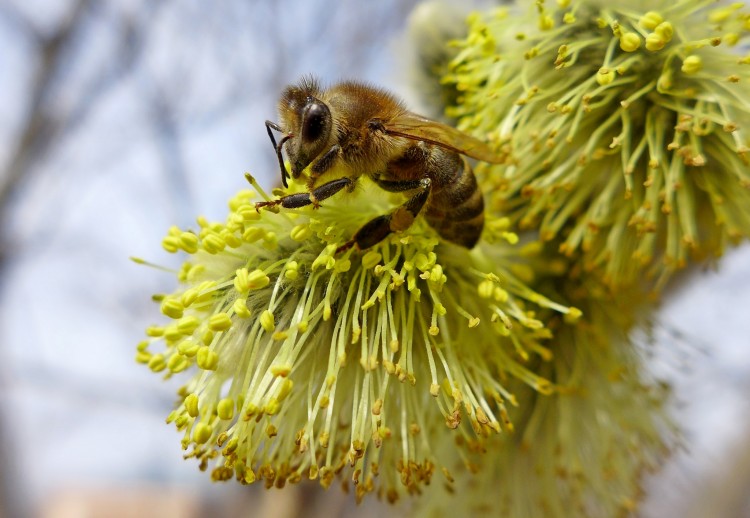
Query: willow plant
(625, 127)
(308, 363)
(471, 376)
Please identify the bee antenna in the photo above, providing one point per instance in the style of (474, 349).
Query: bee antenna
(284, 173)
(273, 126)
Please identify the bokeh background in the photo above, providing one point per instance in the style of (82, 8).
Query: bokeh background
(119, 118)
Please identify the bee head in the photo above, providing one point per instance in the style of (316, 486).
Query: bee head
(308, 118)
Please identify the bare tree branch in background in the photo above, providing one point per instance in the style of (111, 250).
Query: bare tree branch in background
(40, 125)
(46, 121)
(34, 138)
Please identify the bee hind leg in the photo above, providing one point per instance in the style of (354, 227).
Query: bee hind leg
(314, 197)
(377, 229)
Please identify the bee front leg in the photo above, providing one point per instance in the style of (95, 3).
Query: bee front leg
(302, 199)
(377, 229)
(325, 162)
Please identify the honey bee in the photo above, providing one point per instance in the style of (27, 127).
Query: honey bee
(363, 130)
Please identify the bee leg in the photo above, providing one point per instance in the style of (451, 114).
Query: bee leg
(377, 229)
(302, 199)
(406, 185)
(325, 162)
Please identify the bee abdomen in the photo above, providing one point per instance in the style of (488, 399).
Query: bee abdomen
(456, 211)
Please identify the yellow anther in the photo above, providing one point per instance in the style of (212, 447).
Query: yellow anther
(573, 315)
(157, 363)
(172, 308)
(195, 272)
(213, 243)
(285, 389)
(231, 446)
(500, 295)
(605, 76)
(240, 280)
(486, 288)
(281, 371)
(650, 20)
(371, 259)
(301, 232)
(187, 325)
(654, 42)
(171, 244)
(510, 237)
(188, 348)
(272, 407)
(154, 331)
(178, 363)
(665, 31)
(172, 333)
(191, 405)
(692, 64)
(436, 274)
(202, 433)
(143, 357)
(546, 22)
(253, 234)
(291, 271)
(257, 279)
(240, 308)
(230, 238)
(189, 242)
(324, 260)
(342, 265)
(630, 41)
(207, 359)
(225, 409)
(248, 213)
(267, 321)
(207, 336)
(219, 322)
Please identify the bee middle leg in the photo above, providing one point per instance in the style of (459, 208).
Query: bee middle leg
(314, 197)
(377, 229)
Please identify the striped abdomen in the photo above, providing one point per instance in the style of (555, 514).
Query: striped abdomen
(456, 207)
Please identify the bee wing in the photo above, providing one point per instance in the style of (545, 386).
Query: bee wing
(412, 126)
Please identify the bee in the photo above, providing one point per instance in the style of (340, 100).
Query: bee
(361, 130)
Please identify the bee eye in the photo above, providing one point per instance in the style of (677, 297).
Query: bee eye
(315, 121)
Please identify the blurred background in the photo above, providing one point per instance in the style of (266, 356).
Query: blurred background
(120, 118)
